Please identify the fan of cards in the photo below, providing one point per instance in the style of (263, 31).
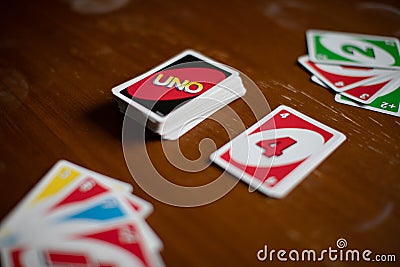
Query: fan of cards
(76, 217)
(175, 96)
(364, 70)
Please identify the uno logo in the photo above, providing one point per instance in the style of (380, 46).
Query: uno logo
(172, 81)
(174, 84)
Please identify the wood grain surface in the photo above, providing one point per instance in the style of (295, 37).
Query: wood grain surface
(60, 59)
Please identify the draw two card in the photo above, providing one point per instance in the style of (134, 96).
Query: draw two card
(361, 84)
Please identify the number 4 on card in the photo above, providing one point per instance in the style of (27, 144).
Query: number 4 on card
(277, 152)
(275, 147)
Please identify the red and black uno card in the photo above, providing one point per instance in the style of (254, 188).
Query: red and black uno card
(173, 83)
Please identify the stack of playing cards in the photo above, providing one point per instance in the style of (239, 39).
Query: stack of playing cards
(76, 217)
(364, 70)
(177, 95)
(278, 151)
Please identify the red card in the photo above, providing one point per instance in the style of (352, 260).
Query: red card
(277, 152)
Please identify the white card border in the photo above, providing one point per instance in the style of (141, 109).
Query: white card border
(298, 174)
(381, 76)
(311, 48)
(152, 115)
(366, 106)
(43, 182)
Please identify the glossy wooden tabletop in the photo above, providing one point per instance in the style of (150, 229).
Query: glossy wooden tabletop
(59, 60)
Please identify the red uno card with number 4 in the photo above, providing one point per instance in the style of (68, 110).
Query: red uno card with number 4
(279, 151)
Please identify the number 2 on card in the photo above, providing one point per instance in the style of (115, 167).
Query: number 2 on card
(351, 49)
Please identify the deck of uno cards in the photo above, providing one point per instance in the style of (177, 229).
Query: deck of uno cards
(363, 69)
(76, 217)
(181, 91)
(279, 151)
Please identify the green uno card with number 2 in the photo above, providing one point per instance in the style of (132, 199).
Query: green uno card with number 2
(353, 49)
(388, 102)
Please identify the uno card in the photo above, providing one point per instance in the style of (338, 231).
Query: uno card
(195, 120)
(61, 176)
(29, 257)
(53, 186)
(388, 103)
(342, 78)
(100, 210)
(63, 258)
(138, 205)
(316, 80)
(277, 152)
(66, 258)
(11, 256)
(353, 49)
(121, 243)
(368, 92)
(90, 204)
(173, 84)
(79, 218)
(363, 85)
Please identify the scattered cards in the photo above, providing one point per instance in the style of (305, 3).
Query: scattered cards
(362, 69)
(352, 49)
(76, 217)
(387, 103)
(279, 151)
(177, 95)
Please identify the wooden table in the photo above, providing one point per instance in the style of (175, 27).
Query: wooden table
(59, 60)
